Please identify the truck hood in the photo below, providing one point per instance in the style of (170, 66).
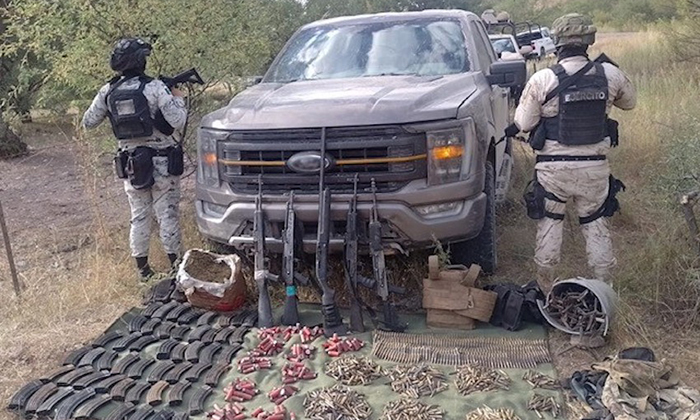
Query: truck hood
(344, 102)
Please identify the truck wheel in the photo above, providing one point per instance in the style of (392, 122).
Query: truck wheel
(481, 250)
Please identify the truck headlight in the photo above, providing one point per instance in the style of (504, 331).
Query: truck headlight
(208, 168)
(446, 155)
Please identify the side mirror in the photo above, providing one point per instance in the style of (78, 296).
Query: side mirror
(526, 50)
(508, 73)
(252, 81)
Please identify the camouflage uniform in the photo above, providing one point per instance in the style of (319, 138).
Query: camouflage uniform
(163, 197)
(584, 182)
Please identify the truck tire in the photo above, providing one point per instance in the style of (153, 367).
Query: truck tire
(481, 250)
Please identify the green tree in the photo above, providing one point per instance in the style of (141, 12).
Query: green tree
(10, 143)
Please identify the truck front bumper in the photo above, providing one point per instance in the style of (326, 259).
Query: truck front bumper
(403, 225)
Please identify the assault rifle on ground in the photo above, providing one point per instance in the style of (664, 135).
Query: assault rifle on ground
(332, 321)
(290, 316)
(261, 273)
(187, 76)
(351, 276)
(391, 320)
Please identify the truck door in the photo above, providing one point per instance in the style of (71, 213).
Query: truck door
(499, 95)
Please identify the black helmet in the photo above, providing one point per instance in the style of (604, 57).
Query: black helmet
(130, 54)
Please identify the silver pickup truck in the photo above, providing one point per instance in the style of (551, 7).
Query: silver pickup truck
(415, 101)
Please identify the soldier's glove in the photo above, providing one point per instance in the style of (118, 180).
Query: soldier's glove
(512, 130)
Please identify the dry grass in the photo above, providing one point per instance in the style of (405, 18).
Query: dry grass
(70, 302)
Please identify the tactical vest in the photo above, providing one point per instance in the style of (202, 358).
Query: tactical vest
(128, 110)
(582, 109)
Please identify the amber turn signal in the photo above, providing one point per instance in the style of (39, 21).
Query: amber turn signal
(209, 159)
(448, 152)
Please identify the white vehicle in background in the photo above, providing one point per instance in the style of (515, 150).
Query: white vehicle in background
(506, 47)
(539, 38)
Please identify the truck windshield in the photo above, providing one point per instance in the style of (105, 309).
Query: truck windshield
(418, 47)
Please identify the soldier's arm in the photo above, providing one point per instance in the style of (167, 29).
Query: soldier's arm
(529, 111)
(626, 93)
(98, 109)
(172, 107)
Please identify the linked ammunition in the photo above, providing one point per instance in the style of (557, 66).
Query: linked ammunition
(354, 370)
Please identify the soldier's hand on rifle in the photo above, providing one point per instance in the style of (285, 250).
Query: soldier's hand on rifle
(177, 92)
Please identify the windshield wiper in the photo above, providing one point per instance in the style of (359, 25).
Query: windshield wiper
(391, 74)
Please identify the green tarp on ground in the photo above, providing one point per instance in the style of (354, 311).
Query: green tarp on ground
(379, 392)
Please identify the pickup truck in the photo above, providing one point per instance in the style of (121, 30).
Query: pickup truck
(416, 101)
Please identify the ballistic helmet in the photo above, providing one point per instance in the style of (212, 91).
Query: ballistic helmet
(129, 54)
(573, 29)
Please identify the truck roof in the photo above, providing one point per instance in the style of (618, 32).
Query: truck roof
(391, 17)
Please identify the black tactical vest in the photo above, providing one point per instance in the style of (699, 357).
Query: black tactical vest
(582, 109)
(128, 110)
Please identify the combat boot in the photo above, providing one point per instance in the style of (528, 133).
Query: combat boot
(144, 268)
(545, 279)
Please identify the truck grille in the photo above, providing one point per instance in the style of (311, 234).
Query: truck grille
(390, 155)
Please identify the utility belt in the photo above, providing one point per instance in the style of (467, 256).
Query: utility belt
(548, 129)
(137, 165)
(535, 195)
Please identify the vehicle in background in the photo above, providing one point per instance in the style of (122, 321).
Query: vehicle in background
(506, 47)
(539, 38)
(414, 103)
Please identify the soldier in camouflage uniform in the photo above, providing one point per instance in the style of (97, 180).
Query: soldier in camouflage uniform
(571, 159)
(138, 123)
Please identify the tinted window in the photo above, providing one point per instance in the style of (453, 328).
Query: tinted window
(418, 47)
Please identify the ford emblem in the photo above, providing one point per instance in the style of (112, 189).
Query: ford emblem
(309, 162)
